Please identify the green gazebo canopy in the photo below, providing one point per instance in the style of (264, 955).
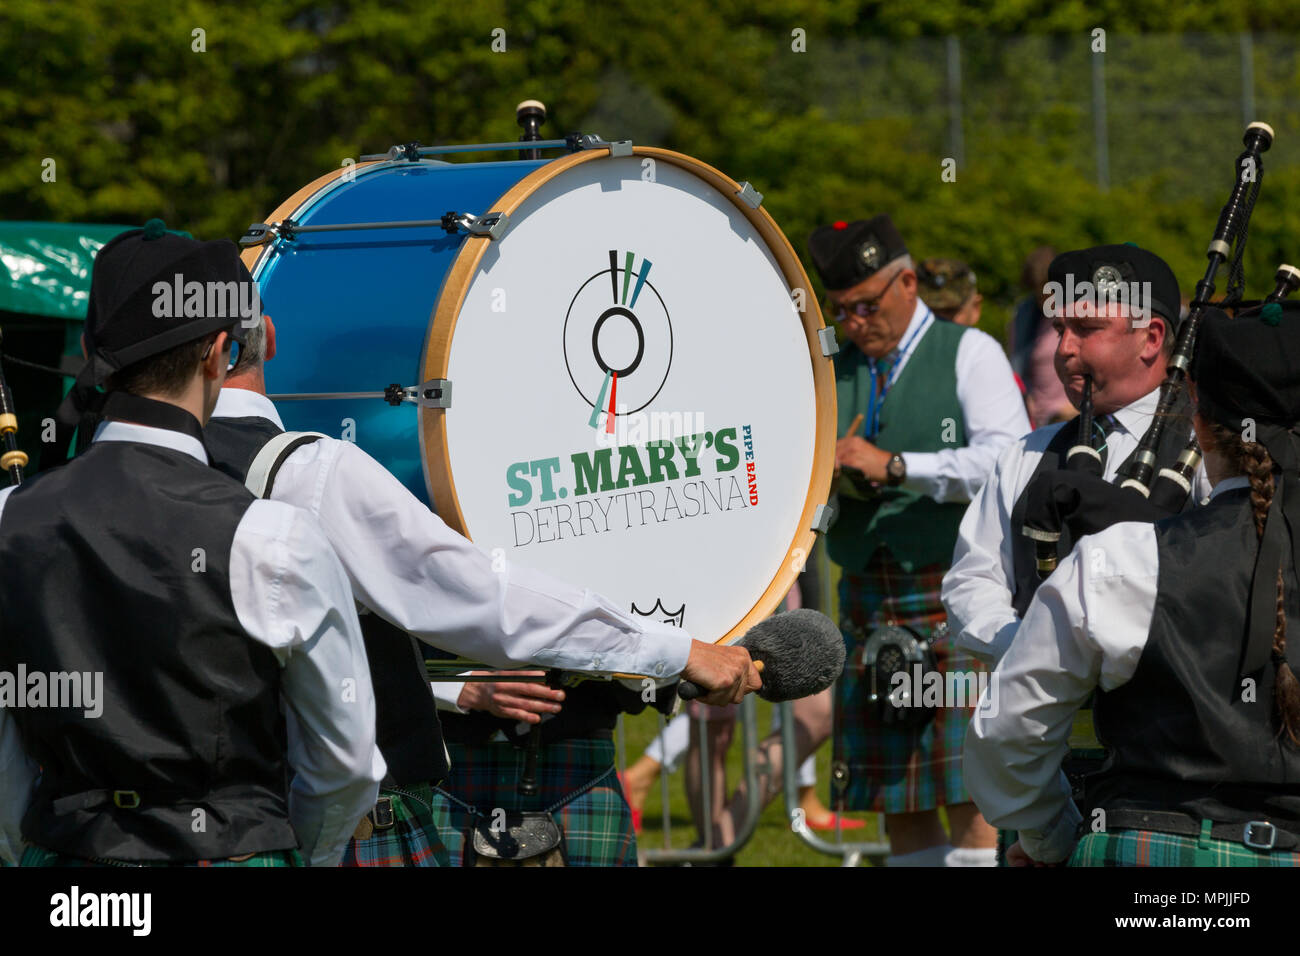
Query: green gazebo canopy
(47, 266)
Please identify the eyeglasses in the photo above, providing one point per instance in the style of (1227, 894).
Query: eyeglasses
(234, 352)
(862, 308)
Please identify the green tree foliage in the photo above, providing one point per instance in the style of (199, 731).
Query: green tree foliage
(144, 115)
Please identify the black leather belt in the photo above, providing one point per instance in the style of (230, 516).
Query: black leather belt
(122, 799)
(1257, 834)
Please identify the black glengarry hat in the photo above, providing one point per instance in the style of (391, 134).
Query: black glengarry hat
(126, 320)
(846, 253)
(1104, 268)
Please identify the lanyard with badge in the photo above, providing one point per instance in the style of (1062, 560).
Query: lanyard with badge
(876, 402)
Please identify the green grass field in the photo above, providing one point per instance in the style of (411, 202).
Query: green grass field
(773, 842)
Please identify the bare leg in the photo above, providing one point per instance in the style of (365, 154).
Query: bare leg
(638, 779)
(911, 832)
(720, 735)
(814, 811)
(812, 716)
(969, 829)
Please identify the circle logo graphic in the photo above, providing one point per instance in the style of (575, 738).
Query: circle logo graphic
(618, 339)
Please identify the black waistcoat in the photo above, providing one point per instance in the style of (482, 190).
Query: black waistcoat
(102, 574)
(1179, 734)
(406, 716)
(1023, 550)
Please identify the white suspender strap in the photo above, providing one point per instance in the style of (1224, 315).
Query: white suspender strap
(262, 472)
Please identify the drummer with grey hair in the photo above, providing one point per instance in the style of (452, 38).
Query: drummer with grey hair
(417, 578)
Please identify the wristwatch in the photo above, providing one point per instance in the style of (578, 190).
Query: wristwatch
(896, 470)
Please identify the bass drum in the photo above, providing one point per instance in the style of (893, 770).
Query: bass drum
(622, 384)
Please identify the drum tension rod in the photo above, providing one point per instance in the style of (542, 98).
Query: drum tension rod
(573, 142)
(492, 224)
(435, 393)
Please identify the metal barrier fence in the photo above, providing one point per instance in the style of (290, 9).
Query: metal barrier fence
(754, 765)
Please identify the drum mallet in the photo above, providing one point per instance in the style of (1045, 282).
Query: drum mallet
(801, 653)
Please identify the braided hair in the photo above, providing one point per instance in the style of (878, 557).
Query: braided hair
(1253, 460)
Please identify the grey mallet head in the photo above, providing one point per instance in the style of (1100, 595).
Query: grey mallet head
(802, 654)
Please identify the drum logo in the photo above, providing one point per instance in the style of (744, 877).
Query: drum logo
(661, 613)
(618, 340)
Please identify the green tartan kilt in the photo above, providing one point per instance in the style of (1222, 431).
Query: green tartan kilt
(412, 840)
(576, 782)
(897, 769)
(39, 856)
(1149, 848)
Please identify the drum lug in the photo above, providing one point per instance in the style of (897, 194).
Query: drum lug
(404, 151)
(827, 339)
(750, 196)
(822, 518)
(493, 224)
(577, 142)
(258, 233)
(435, 393)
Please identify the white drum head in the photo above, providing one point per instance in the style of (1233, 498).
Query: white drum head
(641, 283)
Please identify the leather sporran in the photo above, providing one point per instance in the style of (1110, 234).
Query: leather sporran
(523, 838)
(895, 660)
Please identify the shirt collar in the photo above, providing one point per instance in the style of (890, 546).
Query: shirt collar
(919, 315)
(1136, 416)
(148, 435)
(245, 403)
(1230, 484)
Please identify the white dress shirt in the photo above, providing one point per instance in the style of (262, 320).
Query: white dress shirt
(979, 587)
(992, 409)
(406, 565)
(1085, 628)
(291, 594)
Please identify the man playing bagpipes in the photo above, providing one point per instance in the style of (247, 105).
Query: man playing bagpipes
(420, 580)
(1181, 628)
(994, 571)
(1056, 506)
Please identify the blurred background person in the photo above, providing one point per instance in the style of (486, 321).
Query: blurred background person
(1033, 345)
(948, 287)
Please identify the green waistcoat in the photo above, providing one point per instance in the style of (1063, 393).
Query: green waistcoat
(920, 412)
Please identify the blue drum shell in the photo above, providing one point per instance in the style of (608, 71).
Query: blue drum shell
(352, 308)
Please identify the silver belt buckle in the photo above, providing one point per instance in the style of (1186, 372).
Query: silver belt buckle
(1248, 835)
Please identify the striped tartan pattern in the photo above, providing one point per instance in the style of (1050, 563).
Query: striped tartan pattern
(412, 840)
(39, 856)
(596, 823)
(1149, 848)
(897, 769)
